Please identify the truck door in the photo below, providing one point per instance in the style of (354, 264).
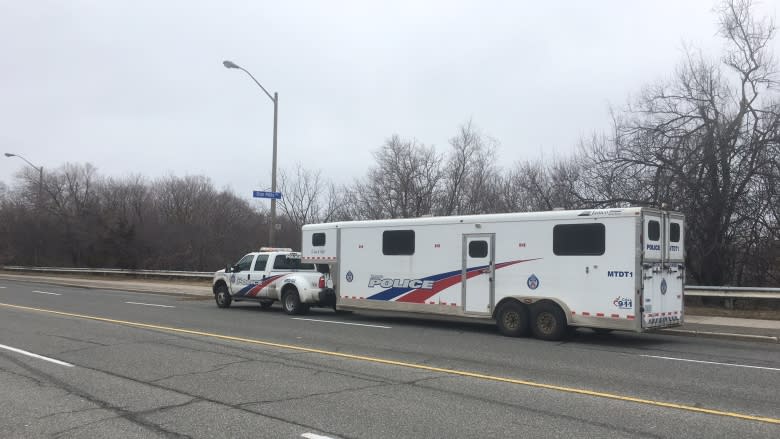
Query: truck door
(257, 276)
(478, 275)
(241, 277)
(661, 285)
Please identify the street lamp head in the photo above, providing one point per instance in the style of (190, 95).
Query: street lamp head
(230, 65)
(8, 154)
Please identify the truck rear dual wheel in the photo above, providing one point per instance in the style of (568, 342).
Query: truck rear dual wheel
(291, 303)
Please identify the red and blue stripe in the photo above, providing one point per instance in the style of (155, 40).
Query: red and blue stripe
(441, 282)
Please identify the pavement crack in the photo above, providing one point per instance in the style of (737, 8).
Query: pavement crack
(200, 372)
(310, 395)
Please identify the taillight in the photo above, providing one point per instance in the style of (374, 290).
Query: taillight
(322, 282)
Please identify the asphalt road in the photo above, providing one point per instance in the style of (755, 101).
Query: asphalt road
(122, 364)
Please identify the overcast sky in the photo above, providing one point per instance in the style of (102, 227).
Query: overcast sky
(139, 86)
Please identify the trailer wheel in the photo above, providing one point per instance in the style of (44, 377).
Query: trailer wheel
(222, 297)
(265, 304)
(548, 321)
(291, 303)
(512, 319)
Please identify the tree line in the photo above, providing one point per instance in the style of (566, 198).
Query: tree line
(704, 142)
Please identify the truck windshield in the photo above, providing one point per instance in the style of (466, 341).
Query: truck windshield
(284, 263)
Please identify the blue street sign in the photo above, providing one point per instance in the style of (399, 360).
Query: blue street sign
(264, 194)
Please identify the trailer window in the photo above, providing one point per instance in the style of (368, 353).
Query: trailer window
(398, 242)
(653, 230)
(674, 232)
(318, 240)
(579, 239)
(478, 249)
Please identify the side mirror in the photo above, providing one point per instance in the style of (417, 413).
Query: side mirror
(235, 269)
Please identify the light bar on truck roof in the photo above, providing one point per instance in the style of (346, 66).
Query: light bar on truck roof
(275, 249)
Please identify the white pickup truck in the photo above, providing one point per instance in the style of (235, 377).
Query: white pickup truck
(273, 274)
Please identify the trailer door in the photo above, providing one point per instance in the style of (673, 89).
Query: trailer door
(661, 285)
(478, 275)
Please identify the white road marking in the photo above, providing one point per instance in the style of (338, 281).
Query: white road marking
(150, 304)
(40, 357)
(342, 323)
(2, 287)
(314, 436)
(46, 292)
(712, 362)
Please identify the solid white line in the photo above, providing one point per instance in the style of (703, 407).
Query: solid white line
(150, 304)
(40, 357)
(342, 323)
(2, 287)
(314, 436)
(46, 292)
(711, 362)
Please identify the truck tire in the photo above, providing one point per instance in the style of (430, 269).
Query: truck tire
(548, 321)
(512, 319)
(291, 303)
(222, 297)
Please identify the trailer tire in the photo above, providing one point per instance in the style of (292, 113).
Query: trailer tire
(512, 319)
(265, 304)
(548, 322)
(291, 303)
(222, 296)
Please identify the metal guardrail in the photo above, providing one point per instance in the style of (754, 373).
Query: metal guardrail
(691, 290)
(733, 292)
(106, 271)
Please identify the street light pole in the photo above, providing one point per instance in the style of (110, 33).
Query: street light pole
(275, 100)
(38, 201)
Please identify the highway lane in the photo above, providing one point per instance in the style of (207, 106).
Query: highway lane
(296, 392)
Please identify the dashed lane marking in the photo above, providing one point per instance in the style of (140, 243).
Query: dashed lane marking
(30, 354)
(151, 304)
(341, 323)
(46, 292)
(712, 362)
(454, 372)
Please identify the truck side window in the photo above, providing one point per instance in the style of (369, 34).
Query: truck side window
(674, 232)
(579, 239)
(282, 262)
(318, 240)
(398, 242)
(653, 230)
(245, 262)
(260, 263)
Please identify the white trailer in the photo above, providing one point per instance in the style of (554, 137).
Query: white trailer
(537, 272)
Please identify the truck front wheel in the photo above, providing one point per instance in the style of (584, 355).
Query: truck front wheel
(291, 303)
(222, 296)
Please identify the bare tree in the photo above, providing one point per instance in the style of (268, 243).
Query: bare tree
(704, 143)
(404, 183)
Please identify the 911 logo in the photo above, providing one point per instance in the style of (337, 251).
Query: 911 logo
(386, 282)
(623, 302)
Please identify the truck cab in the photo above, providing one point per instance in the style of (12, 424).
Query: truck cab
(270, 275)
